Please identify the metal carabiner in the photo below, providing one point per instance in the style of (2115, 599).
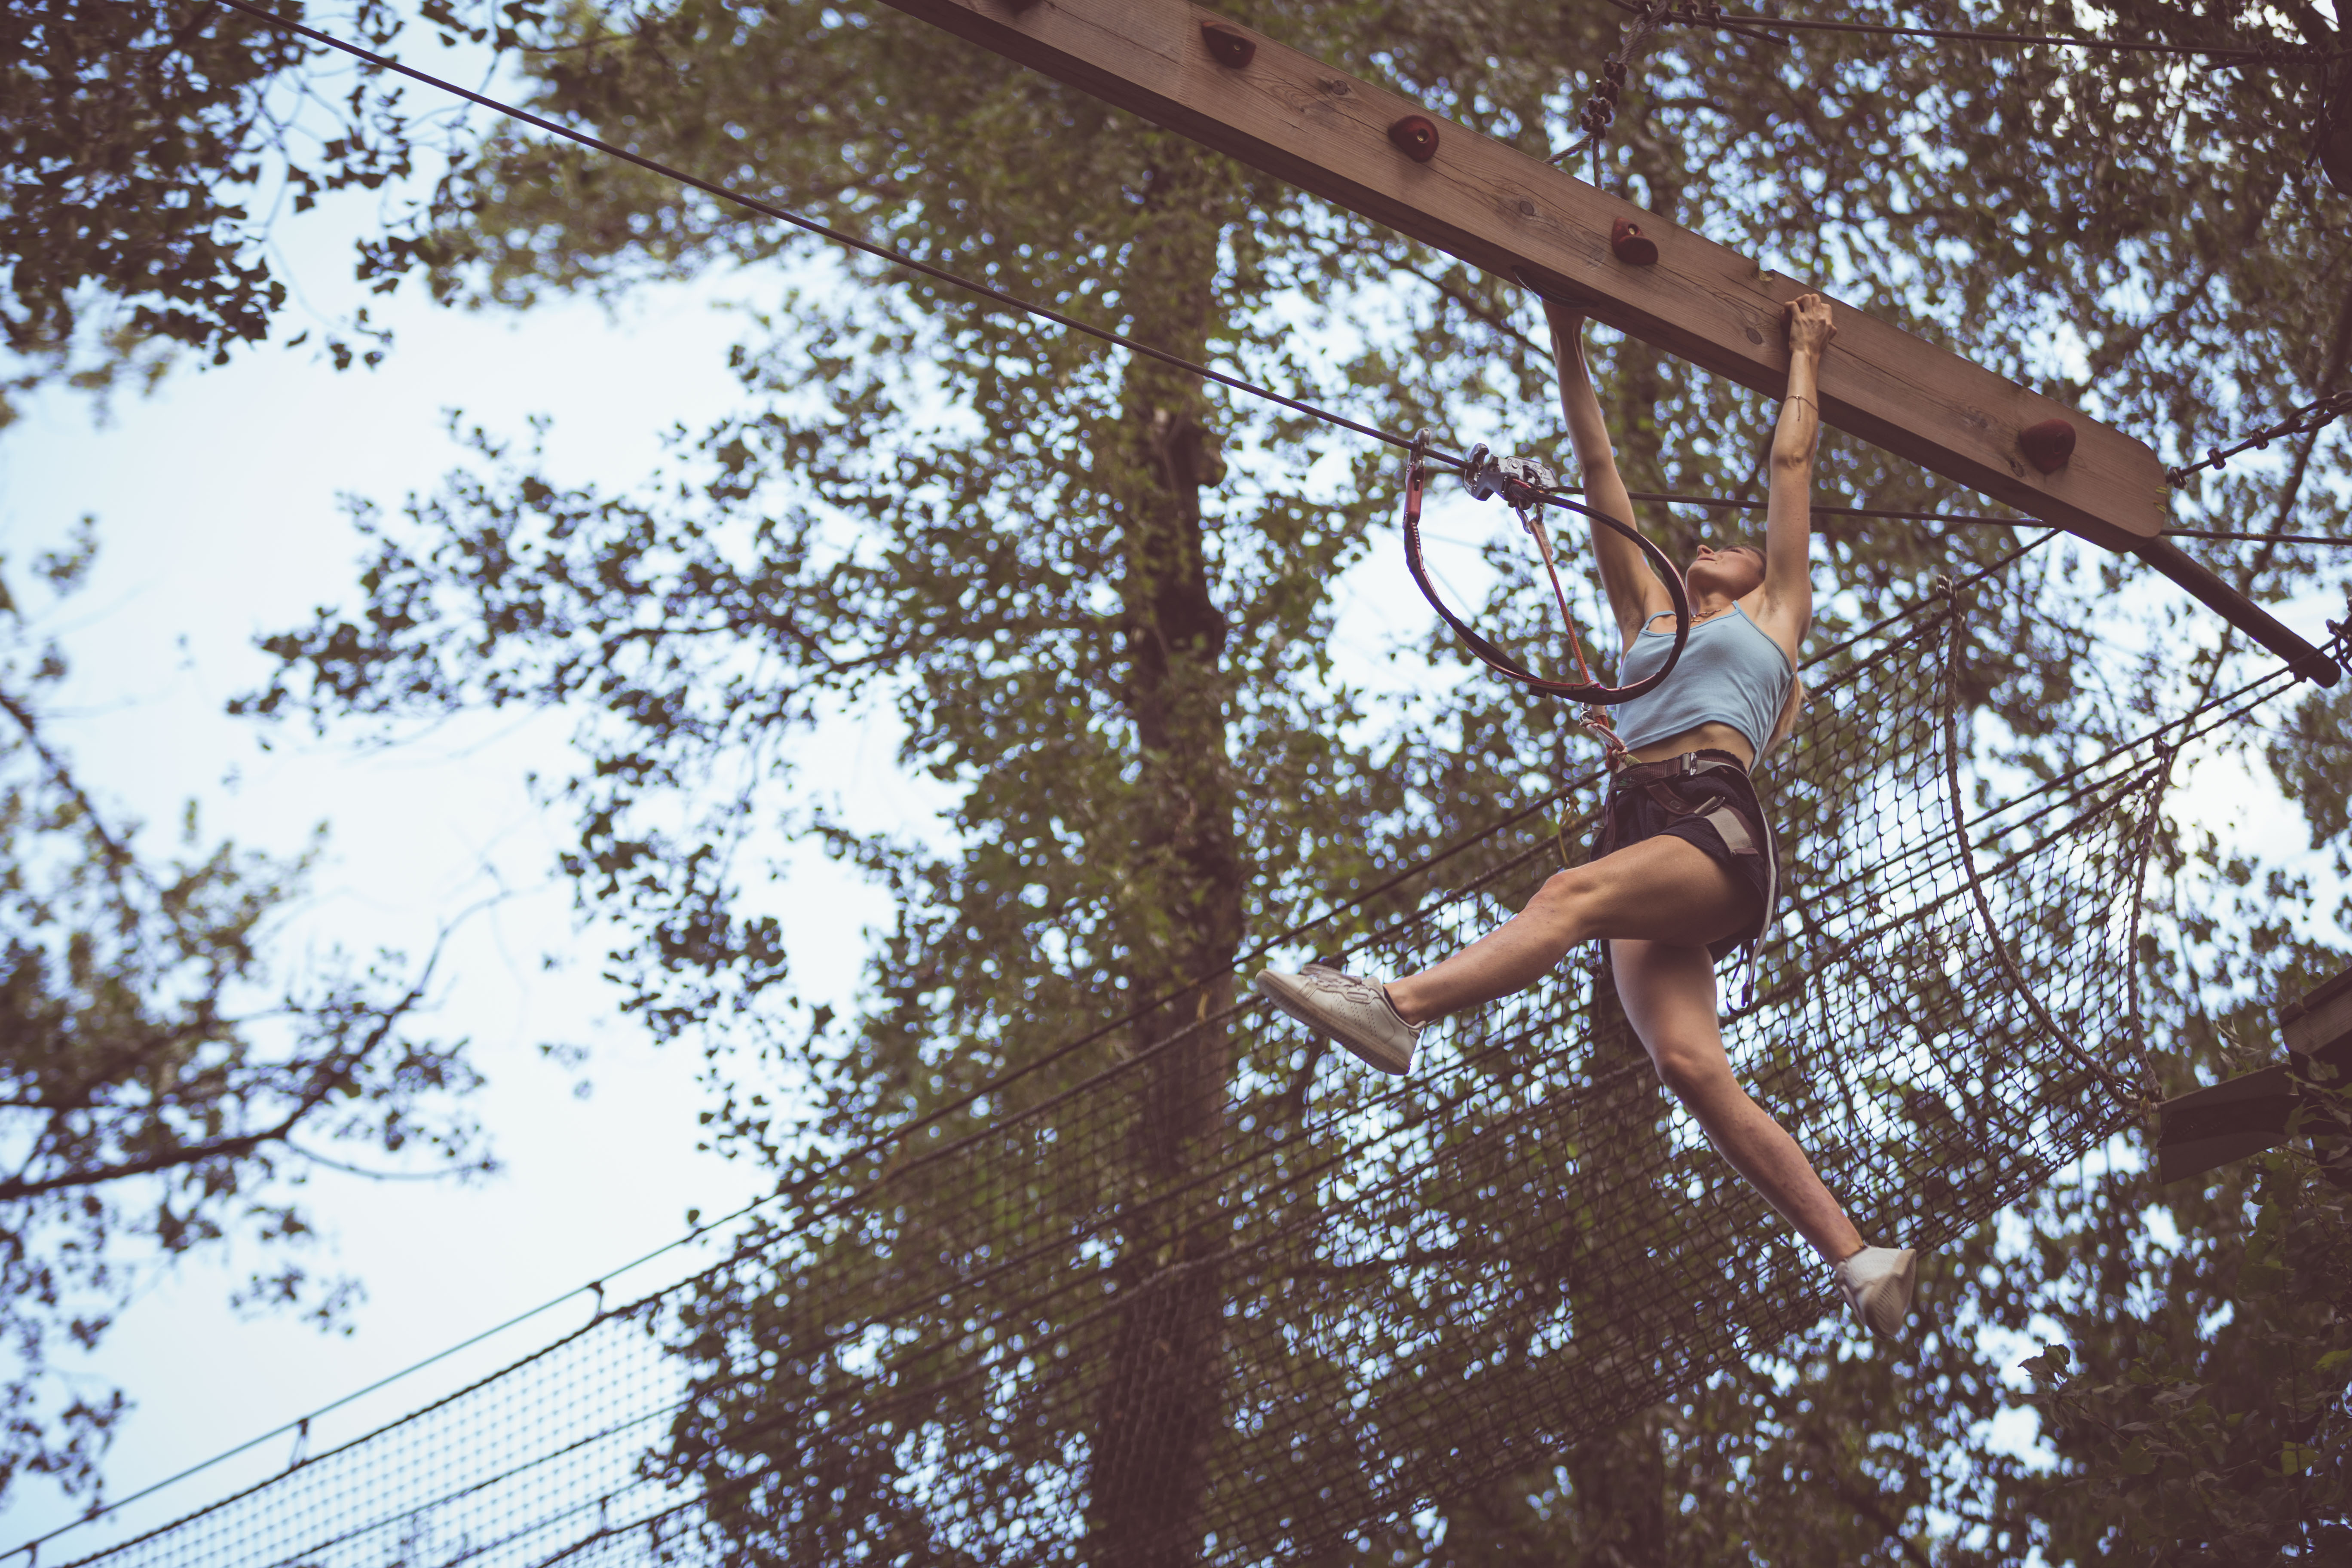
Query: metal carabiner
(1522, 482)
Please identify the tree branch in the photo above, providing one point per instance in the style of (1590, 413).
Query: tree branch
(118, 857)
(323, 1081)
(1872, 1504)
(1475, 309)
(318, 1159)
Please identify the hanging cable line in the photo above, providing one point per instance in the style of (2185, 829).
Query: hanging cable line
(2263, 54)
(1909, 610)
(1565, 496)
(839, 236)
(2311, 416)
(2024, 1124)
(2341, 541)
(1967, 520)
(1971, 520)
(1741, 503)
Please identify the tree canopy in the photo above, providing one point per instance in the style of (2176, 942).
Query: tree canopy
(171, 1067)
(146, 148)
(174, 1065)
(1096, 600)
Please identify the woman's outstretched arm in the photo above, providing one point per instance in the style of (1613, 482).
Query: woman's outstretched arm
(1788, 604)
(1634, 592)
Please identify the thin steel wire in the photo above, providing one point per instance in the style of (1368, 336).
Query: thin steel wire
(1413, 1286)
(2339, 542)
(1565, 496)
(826, 231)
(501, 1495)
(2270, 54)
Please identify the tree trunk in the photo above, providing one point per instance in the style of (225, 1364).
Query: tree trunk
(1164, 1382)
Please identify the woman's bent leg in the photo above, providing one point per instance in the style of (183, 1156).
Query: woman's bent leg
(1665, 890)
(1668, 991)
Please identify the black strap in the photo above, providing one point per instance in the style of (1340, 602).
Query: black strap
(1682, 765)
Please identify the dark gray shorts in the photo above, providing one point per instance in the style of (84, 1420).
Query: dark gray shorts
(1705, 797)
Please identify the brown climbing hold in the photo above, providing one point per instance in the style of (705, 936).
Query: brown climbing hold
(1631, 245)
(1416, 136)
(1231, 46)
(2048, 445)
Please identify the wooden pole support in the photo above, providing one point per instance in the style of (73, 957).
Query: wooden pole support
(2320, 1021)
(1335, 137)
(2247, 1114)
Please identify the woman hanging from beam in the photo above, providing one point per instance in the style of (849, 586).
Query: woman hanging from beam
(1683, 869)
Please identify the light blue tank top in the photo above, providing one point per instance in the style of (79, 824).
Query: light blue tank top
(1730, 673)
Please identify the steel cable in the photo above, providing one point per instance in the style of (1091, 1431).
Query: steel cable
(2221, 54)
(802, 1189)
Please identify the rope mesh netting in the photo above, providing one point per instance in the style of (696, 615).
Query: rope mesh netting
(1157, 1301)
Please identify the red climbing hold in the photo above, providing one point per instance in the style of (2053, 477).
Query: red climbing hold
(2048, 445)
(1231, 46)
(1417, 136)
(1631, 245)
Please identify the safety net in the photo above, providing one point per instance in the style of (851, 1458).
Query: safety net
(1191, 1289)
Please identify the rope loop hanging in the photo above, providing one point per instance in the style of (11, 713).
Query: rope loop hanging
(1528, 486)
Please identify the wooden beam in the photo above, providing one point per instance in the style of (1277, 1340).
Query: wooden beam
(2321, 1019)
(2210, 1127)
(2244, 1115)
(1345, 140)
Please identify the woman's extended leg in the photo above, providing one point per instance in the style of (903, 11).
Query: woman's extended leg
(1669, 996)
(1661, 901)
(1661, 889)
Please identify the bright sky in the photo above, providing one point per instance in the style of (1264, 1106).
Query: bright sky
(216, 500)
(218, 519)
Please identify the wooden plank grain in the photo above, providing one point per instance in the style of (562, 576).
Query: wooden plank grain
(1496, 207)
(2328, 1026)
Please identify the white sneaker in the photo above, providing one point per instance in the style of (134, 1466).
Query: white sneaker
(1877, 1285)
(1356, 1013)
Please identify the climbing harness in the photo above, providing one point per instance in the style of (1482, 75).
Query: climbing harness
(1526, 486)
(1741, 823)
